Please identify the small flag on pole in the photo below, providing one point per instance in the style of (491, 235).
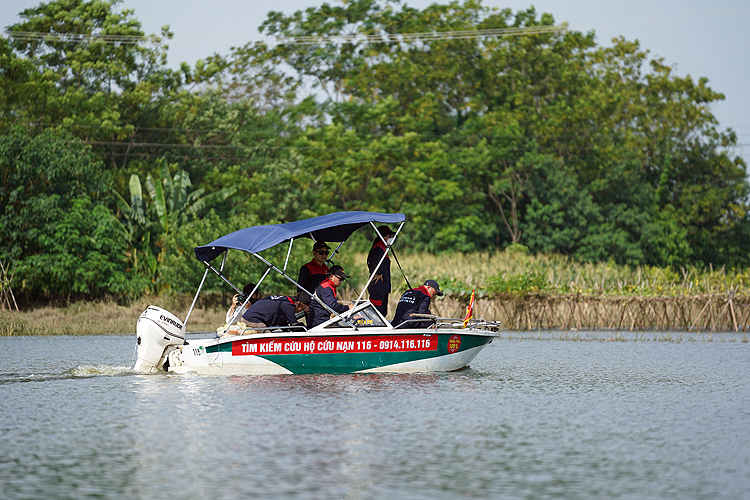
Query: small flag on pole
(469, 310)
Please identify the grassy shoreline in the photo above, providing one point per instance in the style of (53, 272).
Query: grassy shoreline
(101, 318)
(529, 313)
(511, 276)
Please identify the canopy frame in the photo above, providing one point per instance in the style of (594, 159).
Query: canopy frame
(332, 227)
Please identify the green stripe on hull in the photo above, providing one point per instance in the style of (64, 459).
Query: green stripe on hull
(349, 362)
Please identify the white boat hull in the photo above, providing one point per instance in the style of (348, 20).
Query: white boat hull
(375, 351)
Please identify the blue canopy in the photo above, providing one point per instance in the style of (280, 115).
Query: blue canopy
(332, 227)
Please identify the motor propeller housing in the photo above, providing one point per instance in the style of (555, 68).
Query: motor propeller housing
(156, 330)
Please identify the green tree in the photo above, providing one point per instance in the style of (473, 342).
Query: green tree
(18, 77)
(95, 73)
(80, 256)
(649, 178)
(54, 222)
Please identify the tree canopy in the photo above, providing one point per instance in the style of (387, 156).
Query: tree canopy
(486, 127)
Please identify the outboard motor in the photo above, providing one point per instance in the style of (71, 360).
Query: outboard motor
(156, 330)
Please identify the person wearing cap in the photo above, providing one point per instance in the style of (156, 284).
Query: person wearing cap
(326, 293)
(276, 310)
(416, 301)
(315, 271)
(380, 286)
(238, 301)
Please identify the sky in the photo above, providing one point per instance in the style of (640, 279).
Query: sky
(697, 38)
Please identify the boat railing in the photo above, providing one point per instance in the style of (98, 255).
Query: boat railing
(266, 329)
(458, 323)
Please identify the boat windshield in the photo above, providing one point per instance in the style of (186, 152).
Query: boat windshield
(363, 315)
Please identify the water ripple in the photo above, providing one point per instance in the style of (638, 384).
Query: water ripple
(529, 419)
(83, 371)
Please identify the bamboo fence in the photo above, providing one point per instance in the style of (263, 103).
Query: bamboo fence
(716, 312)
(6, 292)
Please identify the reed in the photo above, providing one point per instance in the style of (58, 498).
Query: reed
(524, 292)
(90, 318)
(516, 273)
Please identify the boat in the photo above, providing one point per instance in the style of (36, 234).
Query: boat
(360, 340)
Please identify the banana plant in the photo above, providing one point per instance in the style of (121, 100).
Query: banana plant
(174, 204)
(147, 221)
(137, 227)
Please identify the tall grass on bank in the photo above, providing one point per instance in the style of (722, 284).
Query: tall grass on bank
(514, 272)
(88, 318)
(494, 276)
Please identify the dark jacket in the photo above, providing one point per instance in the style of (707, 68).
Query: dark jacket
(413, 301)
(376, 253)
(310, 276)
(274, 310)
(326, 292)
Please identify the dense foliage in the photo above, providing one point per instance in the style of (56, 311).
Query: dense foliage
(113, 166)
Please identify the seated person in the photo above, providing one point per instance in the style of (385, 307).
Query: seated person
(237, 302)
(315, 271)
(416, 301)
(276, 310)
(326, 292)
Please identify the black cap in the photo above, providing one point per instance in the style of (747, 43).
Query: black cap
(434, 284)
(303, 297)
(320, 244)
(338, 271)
(386, 231)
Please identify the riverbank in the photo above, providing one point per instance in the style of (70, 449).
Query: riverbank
(524, 292)
(697, 313)
(718, 312)
(93, 318)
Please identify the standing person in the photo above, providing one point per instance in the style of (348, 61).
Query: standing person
(380, 286)
(416, 301)
(276, 310)
(315, 271)
(326, 292)
(238, 300)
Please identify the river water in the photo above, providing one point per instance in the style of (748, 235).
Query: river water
(534, 417)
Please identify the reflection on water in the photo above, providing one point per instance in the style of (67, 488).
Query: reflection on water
(533, 417)
(330, 383)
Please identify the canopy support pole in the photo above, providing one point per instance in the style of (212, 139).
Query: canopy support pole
(218, 273)
(330, 259)
(388, 248)
(196, 296)
(312, 295)
(288, 253)
(247, 299)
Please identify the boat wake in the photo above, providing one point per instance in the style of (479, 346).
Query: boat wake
(100, 370)
(83, 371)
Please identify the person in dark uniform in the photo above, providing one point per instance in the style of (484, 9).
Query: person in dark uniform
(276, 310)
(416, 301)
(380, 286)
(315, 271)
(326, 292)
(238, 300)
